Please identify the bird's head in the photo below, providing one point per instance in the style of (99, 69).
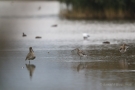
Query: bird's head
(31, 50)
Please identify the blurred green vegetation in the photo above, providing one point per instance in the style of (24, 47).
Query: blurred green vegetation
(103, 8)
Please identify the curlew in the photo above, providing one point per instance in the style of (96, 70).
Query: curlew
(80, 53)
(30, 55)
(123, 48)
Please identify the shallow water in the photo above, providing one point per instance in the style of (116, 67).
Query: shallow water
(55, 66)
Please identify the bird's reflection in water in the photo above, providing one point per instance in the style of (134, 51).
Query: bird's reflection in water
(30, 68)
(123, 64)
(81, 66)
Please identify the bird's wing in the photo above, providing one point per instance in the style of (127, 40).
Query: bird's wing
(28, 56)
(83, 53)
(80, 51)
(120, 48)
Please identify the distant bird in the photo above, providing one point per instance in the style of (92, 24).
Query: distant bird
(30, 68)
(30, 55)
(38, 37)
(123, 48)
(80, 53)
(106, 42)
(24, 35)
(55, 25)
(39, 7)
(85, 36)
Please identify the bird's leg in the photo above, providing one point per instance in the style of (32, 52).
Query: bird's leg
(85, 64)
(123, 55)
(80, 57)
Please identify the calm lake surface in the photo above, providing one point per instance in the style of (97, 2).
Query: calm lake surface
(55, 66)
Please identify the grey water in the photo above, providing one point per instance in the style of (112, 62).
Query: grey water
(55, 66)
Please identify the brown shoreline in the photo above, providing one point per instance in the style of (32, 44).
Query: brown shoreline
(91, 14)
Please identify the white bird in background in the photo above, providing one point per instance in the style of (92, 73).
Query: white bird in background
(85, 36)
(30, 55)
(123, 48)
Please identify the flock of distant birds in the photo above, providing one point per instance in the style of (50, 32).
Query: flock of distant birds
(38, 37)
(31, 56)
(81, 53)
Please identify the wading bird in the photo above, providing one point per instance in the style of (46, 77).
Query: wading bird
(30, 55)
(123, 48)
(80, 53)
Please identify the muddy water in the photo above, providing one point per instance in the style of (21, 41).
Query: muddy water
(55, 66)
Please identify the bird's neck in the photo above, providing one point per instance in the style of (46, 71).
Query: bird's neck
(78, 49)
(31, 50)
